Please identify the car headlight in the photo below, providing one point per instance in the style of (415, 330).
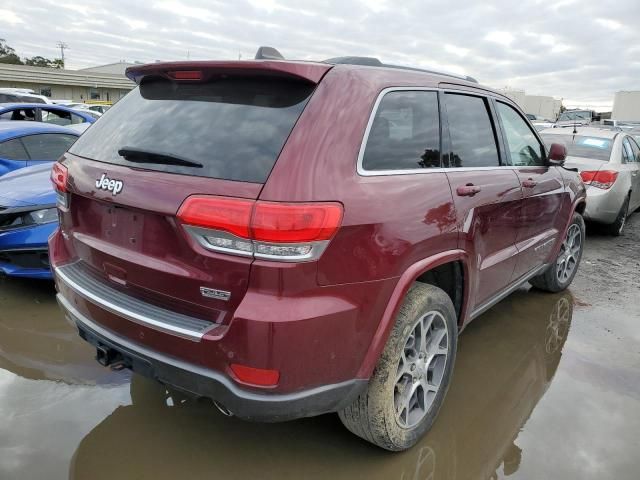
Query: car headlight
(40, 217)
(9, 221)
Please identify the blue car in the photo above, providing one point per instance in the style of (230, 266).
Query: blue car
(28, 216)
(24, 143)
(46, 113)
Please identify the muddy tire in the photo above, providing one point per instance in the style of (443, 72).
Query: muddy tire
(616, 228)
(412, 376)
(562, 271)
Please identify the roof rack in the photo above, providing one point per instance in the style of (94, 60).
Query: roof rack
(374, 62)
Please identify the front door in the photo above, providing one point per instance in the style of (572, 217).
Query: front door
(487, 195)
(542, 188)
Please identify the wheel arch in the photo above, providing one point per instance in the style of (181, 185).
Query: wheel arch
(419, 271)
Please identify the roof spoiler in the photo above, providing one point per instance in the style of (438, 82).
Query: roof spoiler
(199, 71)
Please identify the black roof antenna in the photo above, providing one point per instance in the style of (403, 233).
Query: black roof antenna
(268, 53)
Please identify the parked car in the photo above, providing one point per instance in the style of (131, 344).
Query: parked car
(577, 117)
(23, 144)
(609, 164)
(28, 216)
(53, 114)
(83, 107)
(282, 237)
(21, 95)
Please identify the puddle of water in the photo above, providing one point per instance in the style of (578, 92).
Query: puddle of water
(541, 390)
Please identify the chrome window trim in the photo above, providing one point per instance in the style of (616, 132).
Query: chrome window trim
(422, 171)
(372, 173)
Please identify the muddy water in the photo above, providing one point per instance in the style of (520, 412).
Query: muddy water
(545, 387)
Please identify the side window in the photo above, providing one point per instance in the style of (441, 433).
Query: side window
(56, 117)
(473, 141)
(523, 146)
(627, 152)
(19, 114)
(75, 119)
(13, 150)
(405, 133)
(47, 146)
(636, 150)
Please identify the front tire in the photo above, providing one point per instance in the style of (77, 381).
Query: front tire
(562, 271)
(412, 377)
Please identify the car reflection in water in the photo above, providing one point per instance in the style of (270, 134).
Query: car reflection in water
(36, 345)
(506, 361)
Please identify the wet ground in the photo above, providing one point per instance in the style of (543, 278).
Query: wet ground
(545, 387)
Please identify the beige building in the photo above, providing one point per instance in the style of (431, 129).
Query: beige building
(98, 83)
(539, 105)
(626, 106)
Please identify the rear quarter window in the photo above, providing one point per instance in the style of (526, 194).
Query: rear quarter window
(405, 133)
(234, 127)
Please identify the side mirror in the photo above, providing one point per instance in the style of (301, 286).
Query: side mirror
(557, 155)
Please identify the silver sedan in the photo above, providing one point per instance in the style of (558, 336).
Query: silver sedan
(609, 164)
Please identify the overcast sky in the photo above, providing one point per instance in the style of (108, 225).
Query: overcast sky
(580, 50)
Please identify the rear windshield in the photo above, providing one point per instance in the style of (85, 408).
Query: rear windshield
(596, 148)
(234, 127)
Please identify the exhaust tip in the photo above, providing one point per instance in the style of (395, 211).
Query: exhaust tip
(224, 410)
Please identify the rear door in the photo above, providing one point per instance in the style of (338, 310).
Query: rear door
(487, 194)
(164, 142)
(47, 147)
(542, 189)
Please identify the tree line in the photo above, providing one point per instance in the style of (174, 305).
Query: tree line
(9, 55)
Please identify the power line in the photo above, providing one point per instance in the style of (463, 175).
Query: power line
(62, 46)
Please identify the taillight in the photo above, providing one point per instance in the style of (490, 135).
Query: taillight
(601, 178)
(226, 214)
(59, 178)
(267, 230)
(59, 175)
(293, 223)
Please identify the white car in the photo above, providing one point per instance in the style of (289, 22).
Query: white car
(21, 95)
(609, 164)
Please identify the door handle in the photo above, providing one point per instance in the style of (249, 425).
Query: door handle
(529, 183)
(468, 190)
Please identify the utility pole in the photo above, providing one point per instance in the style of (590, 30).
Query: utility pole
(61, 45)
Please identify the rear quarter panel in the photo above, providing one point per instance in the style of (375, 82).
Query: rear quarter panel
(390, 222)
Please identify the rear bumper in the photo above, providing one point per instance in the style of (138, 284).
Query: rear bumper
(603, 206)
(212, 384)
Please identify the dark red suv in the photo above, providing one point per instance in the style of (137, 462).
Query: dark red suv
(295, 238)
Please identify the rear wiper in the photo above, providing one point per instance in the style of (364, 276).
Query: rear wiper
(144, 156)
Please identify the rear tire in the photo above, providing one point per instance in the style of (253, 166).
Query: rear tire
(617, 227)
(412, 377)
(561, 272)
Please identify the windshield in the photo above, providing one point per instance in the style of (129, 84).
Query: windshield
(596, 148)
(575, 115)
(234, 127)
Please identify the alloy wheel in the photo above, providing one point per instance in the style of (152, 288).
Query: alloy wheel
(569, 255)
(421, 369)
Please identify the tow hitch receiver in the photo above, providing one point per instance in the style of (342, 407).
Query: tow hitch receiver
(108, 357)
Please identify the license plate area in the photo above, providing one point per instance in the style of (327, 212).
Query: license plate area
(123, 227)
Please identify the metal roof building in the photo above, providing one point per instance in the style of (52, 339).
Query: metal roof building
(76, 85)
